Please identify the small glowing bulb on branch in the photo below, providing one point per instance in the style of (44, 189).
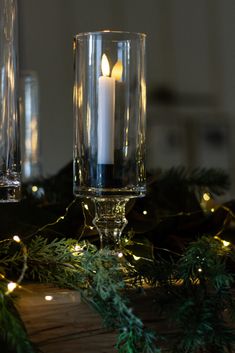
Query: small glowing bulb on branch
(225, 243)
(145, 212)
(212, 210)
(136, 258)
(16, 238)
(86, 206)
(11, 286)
(206, 196)
(34, 188)
(78, 248)
(120, 254)
(199, 270)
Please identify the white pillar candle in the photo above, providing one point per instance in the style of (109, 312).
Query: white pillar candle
(106, 109)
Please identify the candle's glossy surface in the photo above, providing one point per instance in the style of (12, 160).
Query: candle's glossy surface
(106, 124)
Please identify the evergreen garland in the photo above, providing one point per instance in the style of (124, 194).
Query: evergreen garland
(192, 287)
(12, 331)
(193, 293)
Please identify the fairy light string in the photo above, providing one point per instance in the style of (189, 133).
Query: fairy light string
(86, 225)
(59, 219)
(11, 286)
(79, 249)
(86, 212)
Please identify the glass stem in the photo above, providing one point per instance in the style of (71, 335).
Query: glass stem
(110, 220)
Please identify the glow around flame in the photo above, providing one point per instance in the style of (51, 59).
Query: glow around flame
(105, 68)
(117, 70)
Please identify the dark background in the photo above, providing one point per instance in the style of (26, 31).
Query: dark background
(190, 74)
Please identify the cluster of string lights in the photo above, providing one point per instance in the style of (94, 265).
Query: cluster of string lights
(77, 249)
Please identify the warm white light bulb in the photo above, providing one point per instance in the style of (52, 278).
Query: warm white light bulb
(136, 258)
(77, 248)
(48, 297)
(225, 243)
(16, 238)
(206, 196)
(34, 188)
(11, 286)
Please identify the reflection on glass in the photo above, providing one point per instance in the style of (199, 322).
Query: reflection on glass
(29, 107)
(9, 118)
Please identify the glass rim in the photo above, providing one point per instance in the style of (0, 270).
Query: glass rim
(134, 35)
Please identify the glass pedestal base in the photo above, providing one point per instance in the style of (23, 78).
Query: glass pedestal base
(10, 194)
(110, 220)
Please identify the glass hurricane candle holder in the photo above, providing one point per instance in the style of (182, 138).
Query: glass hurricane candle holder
(109, 135)
(9, 117)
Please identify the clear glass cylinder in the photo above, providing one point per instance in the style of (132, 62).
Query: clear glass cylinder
(109, 112)
(30, 121)
(9, 117)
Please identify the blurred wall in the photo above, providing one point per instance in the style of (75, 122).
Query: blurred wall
(190, 49)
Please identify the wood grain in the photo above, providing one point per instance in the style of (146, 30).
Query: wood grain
(65, 324)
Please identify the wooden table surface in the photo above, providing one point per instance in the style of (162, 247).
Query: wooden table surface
(65, 324)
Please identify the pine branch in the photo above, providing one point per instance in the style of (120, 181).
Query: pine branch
(98, 275)
(203, 298)
(193, 294)
(54, 262)
(205, 260)
(107, 282)
(214, 180)
(12, 330)
(194, 291)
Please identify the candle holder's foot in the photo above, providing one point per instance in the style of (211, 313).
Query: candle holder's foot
(110, 221)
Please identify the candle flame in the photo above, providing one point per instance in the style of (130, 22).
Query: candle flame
(105, 66)
(117, 70)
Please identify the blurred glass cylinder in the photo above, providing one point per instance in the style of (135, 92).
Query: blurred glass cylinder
(29, 108)
(9, 117)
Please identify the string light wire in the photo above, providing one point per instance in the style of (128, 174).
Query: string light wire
(11, 286)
